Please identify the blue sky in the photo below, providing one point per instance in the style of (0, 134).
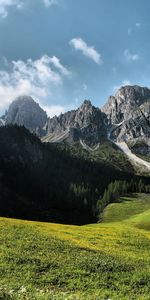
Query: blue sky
(64, 51)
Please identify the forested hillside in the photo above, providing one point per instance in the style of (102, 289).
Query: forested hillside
(45, 182)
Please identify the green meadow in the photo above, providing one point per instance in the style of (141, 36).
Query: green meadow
(108, 260)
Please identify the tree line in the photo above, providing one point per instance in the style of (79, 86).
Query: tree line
(43, 182)
(120, 188)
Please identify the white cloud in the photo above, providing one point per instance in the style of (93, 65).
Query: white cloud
(126, 82)
(6, 4)
(56, 62)
(85, 87)
(49, 3)
(138, 25)
(32, 77)
(54, 110)
(130, 56)
(131, 30)
(89, 51)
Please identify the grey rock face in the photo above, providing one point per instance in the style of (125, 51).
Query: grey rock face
(130, 109)
(137, 126)
(87, 123)
(141, 148)
(125, 116)
(126, 100)
(24, 111)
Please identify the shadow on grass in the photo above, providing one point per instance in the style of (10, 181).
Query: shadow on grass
(127, 197)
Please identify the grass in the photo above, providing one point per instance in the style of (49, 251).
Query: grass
(102, 261)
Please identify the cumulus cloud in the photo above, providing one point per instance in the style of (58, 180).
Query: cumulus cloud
(32, 77)
(130, 56)
(6, 4)
(54, 110)
(56, 62)
(89, 51)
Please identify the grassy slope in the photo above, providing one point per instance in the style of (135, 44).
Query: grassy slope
(101, 261)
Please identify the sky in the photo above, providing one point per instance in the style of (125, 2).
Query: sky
(61, 52)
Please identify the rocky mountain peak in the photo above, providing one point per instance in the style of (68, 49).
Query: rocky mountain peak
(86, 123)
(133, 94)
(128, 114)
(87, 113)
(125, 116)
(86, 103)
(24, 111)
(127, 99)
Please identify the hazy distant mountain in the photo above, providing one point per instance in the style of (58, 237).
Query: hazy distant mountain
(25, 111)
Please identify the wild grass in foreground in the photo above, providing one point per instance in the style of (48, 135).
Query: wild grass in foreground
(101, 261)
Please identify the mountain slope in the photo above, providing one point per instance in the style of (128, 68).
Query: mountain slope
(24, 111)
(86, 123)
(126, 100)
(106, 153)
(54, 182)
(132, 156)
(124, 118)
(128, 114)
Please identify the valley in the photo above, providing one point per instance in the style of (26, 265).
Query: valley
(82, 151)
(74, 150)
(75, 200)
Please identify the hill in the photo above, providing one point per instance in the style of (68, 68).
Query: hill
(109, 260)
(55, 183)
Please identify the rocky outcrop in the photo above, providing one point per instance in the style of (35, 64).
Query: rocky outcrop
(125, 117)
(24, 111)
(141, 148)
(86, 123)
(128, 114)
(127, 99)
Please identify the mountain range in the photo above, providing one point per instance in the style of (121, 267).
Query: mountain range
(124, 118)
(126, 115)
(57, 169)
